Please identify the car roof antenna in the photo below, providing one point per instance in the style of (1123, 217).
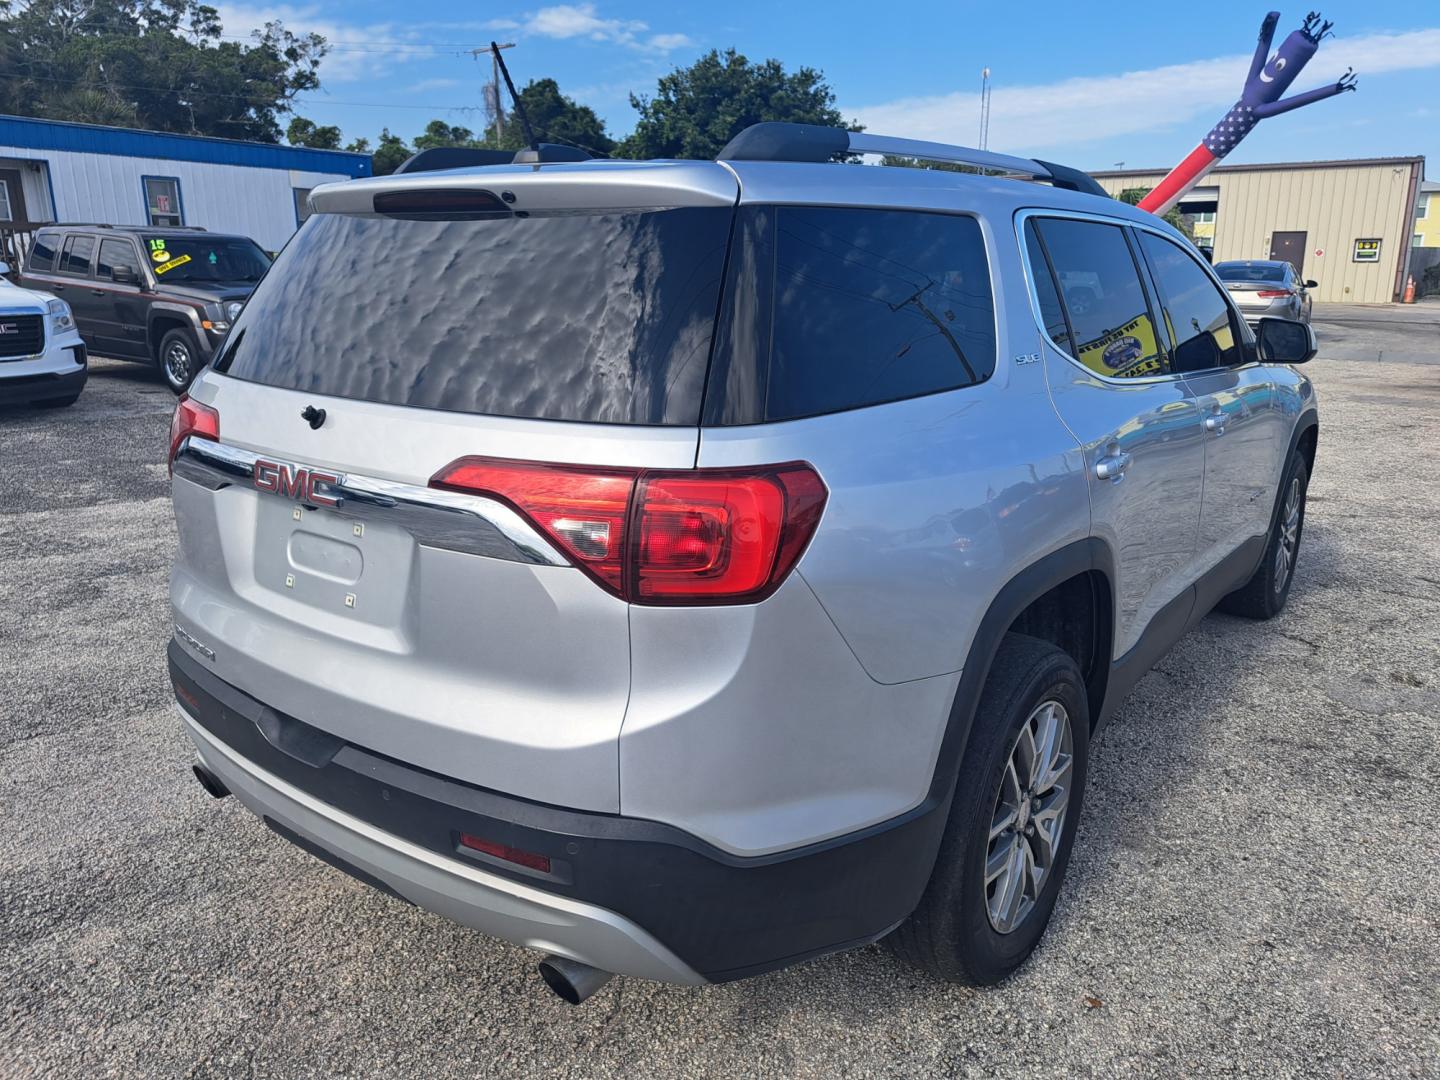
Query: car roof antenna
(514, 97)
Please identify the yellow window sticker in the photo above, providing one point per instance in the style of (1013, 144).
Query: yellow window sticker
(160, 255)
(1124, 353)
(170, 264)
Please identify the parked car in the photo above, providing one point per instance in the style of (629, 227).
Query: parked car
(42, 359)
(1267, 288)
(689, 568)
(159, 296)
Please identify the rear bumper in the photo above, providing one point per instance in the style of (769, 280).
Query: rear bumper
(467, 894)
(624, 894)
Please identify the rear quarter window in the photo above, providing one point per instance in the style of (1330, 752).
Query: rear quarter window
(829, 309)
(42, 251)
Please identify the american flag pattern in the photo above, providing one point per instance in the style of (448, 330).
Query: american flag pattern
(1236, 124)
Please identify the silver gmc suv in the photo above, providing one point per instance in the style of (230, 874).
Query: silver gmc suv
(687, 568)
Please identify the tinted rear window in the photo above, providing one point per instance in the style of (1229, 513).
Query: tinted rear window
(830, 309)
(597, 317)
(1244, 272)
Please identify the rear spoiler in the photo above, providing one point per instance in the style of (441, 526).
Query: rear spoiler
(469, 157)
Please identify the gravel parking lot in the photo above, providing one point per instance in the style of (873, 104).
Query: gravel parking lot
(1256, 888)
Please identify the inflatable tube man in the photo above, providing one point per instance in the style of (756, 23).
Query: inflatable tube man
(1261, 100)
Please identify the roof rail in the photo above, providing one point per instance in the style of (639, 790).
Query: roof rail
(464, 157)
(772, 141)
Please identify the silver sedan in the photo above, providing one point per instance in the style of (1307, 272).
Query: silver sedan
(1267, 288)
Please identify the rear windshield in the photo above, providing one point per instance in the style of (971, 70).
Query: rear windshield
(1246, 272)
(209, 259)
(602, 317)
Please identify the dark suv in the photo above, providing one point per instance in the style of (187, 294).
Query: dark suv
(159, 296)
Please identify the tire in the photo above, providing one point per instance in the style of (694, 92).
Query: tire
(57, 402)
(952, 934)
(179, 373)
(1264, 595)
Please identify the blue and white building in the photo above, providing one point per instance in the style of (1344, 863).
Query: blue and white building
(56, 171)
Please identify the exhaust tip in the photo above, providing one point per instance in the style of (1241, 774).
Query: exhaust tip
(572, 980)
(210, 782)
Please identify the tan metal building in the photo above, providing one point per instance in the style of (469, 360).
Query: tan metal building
(1347, 224)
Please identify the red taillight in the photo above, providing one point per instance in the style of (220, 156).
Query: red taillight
(698, 536)
(1272, 294)
(192, 418)
(519, 856)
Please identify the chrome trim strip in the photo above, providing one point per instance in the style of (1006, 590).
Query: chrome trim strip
(449, 520)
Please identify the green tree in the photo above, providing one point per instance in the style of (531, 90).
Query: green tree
(390, 153)
(1173, 216)
(554, 118)
(156, 64)
(303, 132)
(698, 109)
(358, 146)
(439, 133)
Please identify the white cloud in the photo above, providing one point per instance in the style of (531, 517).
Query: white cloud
(565, 21)
(361, 51)
(1029, 118)
(432, 84)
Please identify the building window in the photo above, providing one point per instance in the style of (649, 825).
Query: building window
(302, 204)
(6, 214)
(162, 201)
(1422, 207)
(1205, 217)
(1418, 240)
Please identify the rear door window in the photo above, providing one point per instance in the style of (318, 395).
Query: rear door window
(1197, 316)
(1099, 283)
(602, 317)
(831, 308)
(75, 259)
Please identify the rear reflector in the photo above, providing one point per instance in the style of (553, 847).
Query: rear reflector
(192, 418)
(1272, 294)
(698, 536)
(505, 851)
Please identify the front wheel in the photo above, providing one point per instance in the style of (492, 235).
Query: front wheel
(1264, 595)
(179, 359)
(1012, 821)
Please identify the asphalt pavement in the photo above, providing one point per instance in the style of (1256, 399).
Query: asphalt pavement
(1256, 887)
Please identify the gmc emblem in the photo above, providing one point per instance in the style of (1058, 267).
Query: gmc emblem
(296, 482)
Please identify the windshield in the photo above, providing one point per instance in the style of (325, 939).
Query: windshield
(602, 317)
(206, 259)
(1249, 272)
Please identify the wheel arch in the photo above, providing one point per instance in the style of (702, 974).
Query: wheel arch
(1087, 563)
(165, 317)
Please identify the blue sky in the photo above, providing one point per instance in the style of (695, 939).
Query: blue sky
(1134, 82)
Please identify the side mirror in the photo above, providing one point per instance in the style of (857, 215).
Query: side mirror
(1284, 342)
(1312, 284)
(123, 275)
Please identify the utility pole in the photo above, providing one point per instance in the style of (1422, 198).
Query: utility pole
(493, 97)
(985, 109)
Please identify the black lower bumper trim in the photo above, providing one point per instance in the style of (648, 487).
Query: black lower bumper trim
(727, 917)
(20, 389)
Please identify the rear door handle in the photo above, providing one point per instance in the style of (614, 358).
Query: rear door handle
(1112, 466)
(98, 292)
(1216, 420)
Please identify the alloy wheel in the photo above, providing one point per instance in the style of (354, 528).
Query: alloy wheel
(177, 364)
(1028, 823)
(1289, 536)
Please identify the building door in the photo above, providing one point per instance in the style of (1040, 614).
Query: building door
(12, 198)
(1289, 247)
